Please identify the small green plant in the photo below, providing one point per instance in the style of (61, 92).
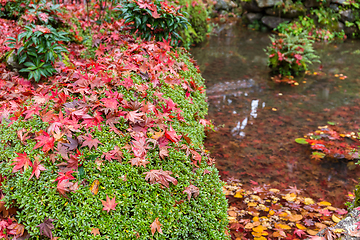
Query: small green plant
(13, 9)
(290, 54)
(37, 48)
(42, 13)
(156, 19)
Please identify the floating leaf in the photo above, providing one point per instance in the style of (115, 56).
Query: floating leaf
(301, 141)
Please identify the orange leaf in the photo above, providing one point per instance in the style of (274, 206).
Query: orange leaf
(156, 226)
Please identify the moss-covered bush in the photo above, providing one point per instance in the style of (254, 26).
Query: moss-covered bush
(69, 119)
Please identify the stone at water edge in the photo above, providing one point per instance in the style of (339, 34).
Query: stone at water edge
(268, 3)
(252, 17)
(273, 22)
(250, 6)
(347, 15)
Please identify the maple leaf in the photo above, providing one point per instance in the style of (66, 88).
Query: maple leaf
(21, 161)
(171, 135)
(160, 176)
(90, 142)
(45, 227)
(109, 204)
(22, 136)
(156, 226)
(16, 229)
(134, 116)
(191, 191)
(46, 141)
(115, 154)
(95, 231)
(65, 176)
(138, 162)
(299, 232)
(73, 143)
(37, 167)
(293, 190)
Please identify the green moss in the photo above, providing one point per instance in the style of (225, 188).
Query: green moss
(197, 15)
(139, 202)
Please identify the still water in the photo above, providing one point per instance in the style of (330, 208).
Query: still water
(257, 120)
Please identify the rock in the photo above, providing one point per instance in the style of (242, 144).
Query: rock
(11, 62)
(334, 7)
(252, 17)
(233, 4)
(350, 31)
(250, 6)
(311, 3)
(267, 3)
(292, 13)
(273, 22)
(340, 26)
(348, 224)
(347, 15)
(222, 5)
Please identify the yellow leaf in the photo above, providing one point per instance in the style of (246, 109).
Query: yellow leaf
(274, 190)
(271, 212)
(256, 234)
(290, 197)
(338, 230)
(94, 188)
(324, 203)
(299, 226)
(252, 204)
(308, 201)
(259, 238)
(311, 232)
(295, 218)
(283, 226)
(276, 234)
(259, 229)
(331, 208)
(283, 214)
(335, 218)
(255, 219)
(238, 195)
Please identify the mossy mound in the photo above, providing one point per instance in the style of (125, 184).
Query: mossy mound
(99, 132)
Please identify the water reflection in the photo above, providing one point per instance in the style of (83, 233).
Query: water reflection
(262, 120)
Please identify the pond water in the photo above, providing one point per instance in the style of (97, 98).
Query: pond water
(257, 120)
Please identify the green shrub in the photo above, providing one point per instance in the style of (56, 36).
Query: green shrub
(290, 54)
(43, 13)
(37, 48)
(13, 9)
(198, 16)
(157, 19)
(139, 202)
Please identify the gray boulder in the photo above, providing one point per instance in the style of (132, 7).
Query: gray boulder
(334, 7)
(252, 17)
(349, 31)
(272, 22)
(267, 3)
(222, 5)
(292, 13)
(11, 62)
(250, 6)
(347, 15)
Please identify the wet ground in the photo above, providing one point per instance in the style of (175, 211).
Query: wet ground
(257, 120)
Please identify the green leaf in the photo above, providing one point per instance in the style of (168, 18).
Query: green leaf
(301, 141)
(331, 123)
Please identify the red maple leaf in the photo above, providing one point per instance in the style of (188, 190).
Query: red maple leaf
(21, 161)
(115, 154)
(191, 191)
(171, 135)
(37, 167)
(160, 176)
(109, 204)
(156, 226)
(90, 142)
(65, 176)
(46, 141)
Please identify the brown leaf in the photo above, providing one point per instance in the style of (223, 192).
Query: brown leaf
(160, 176)
(191, 191)
(156, 226)
(94, 188)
